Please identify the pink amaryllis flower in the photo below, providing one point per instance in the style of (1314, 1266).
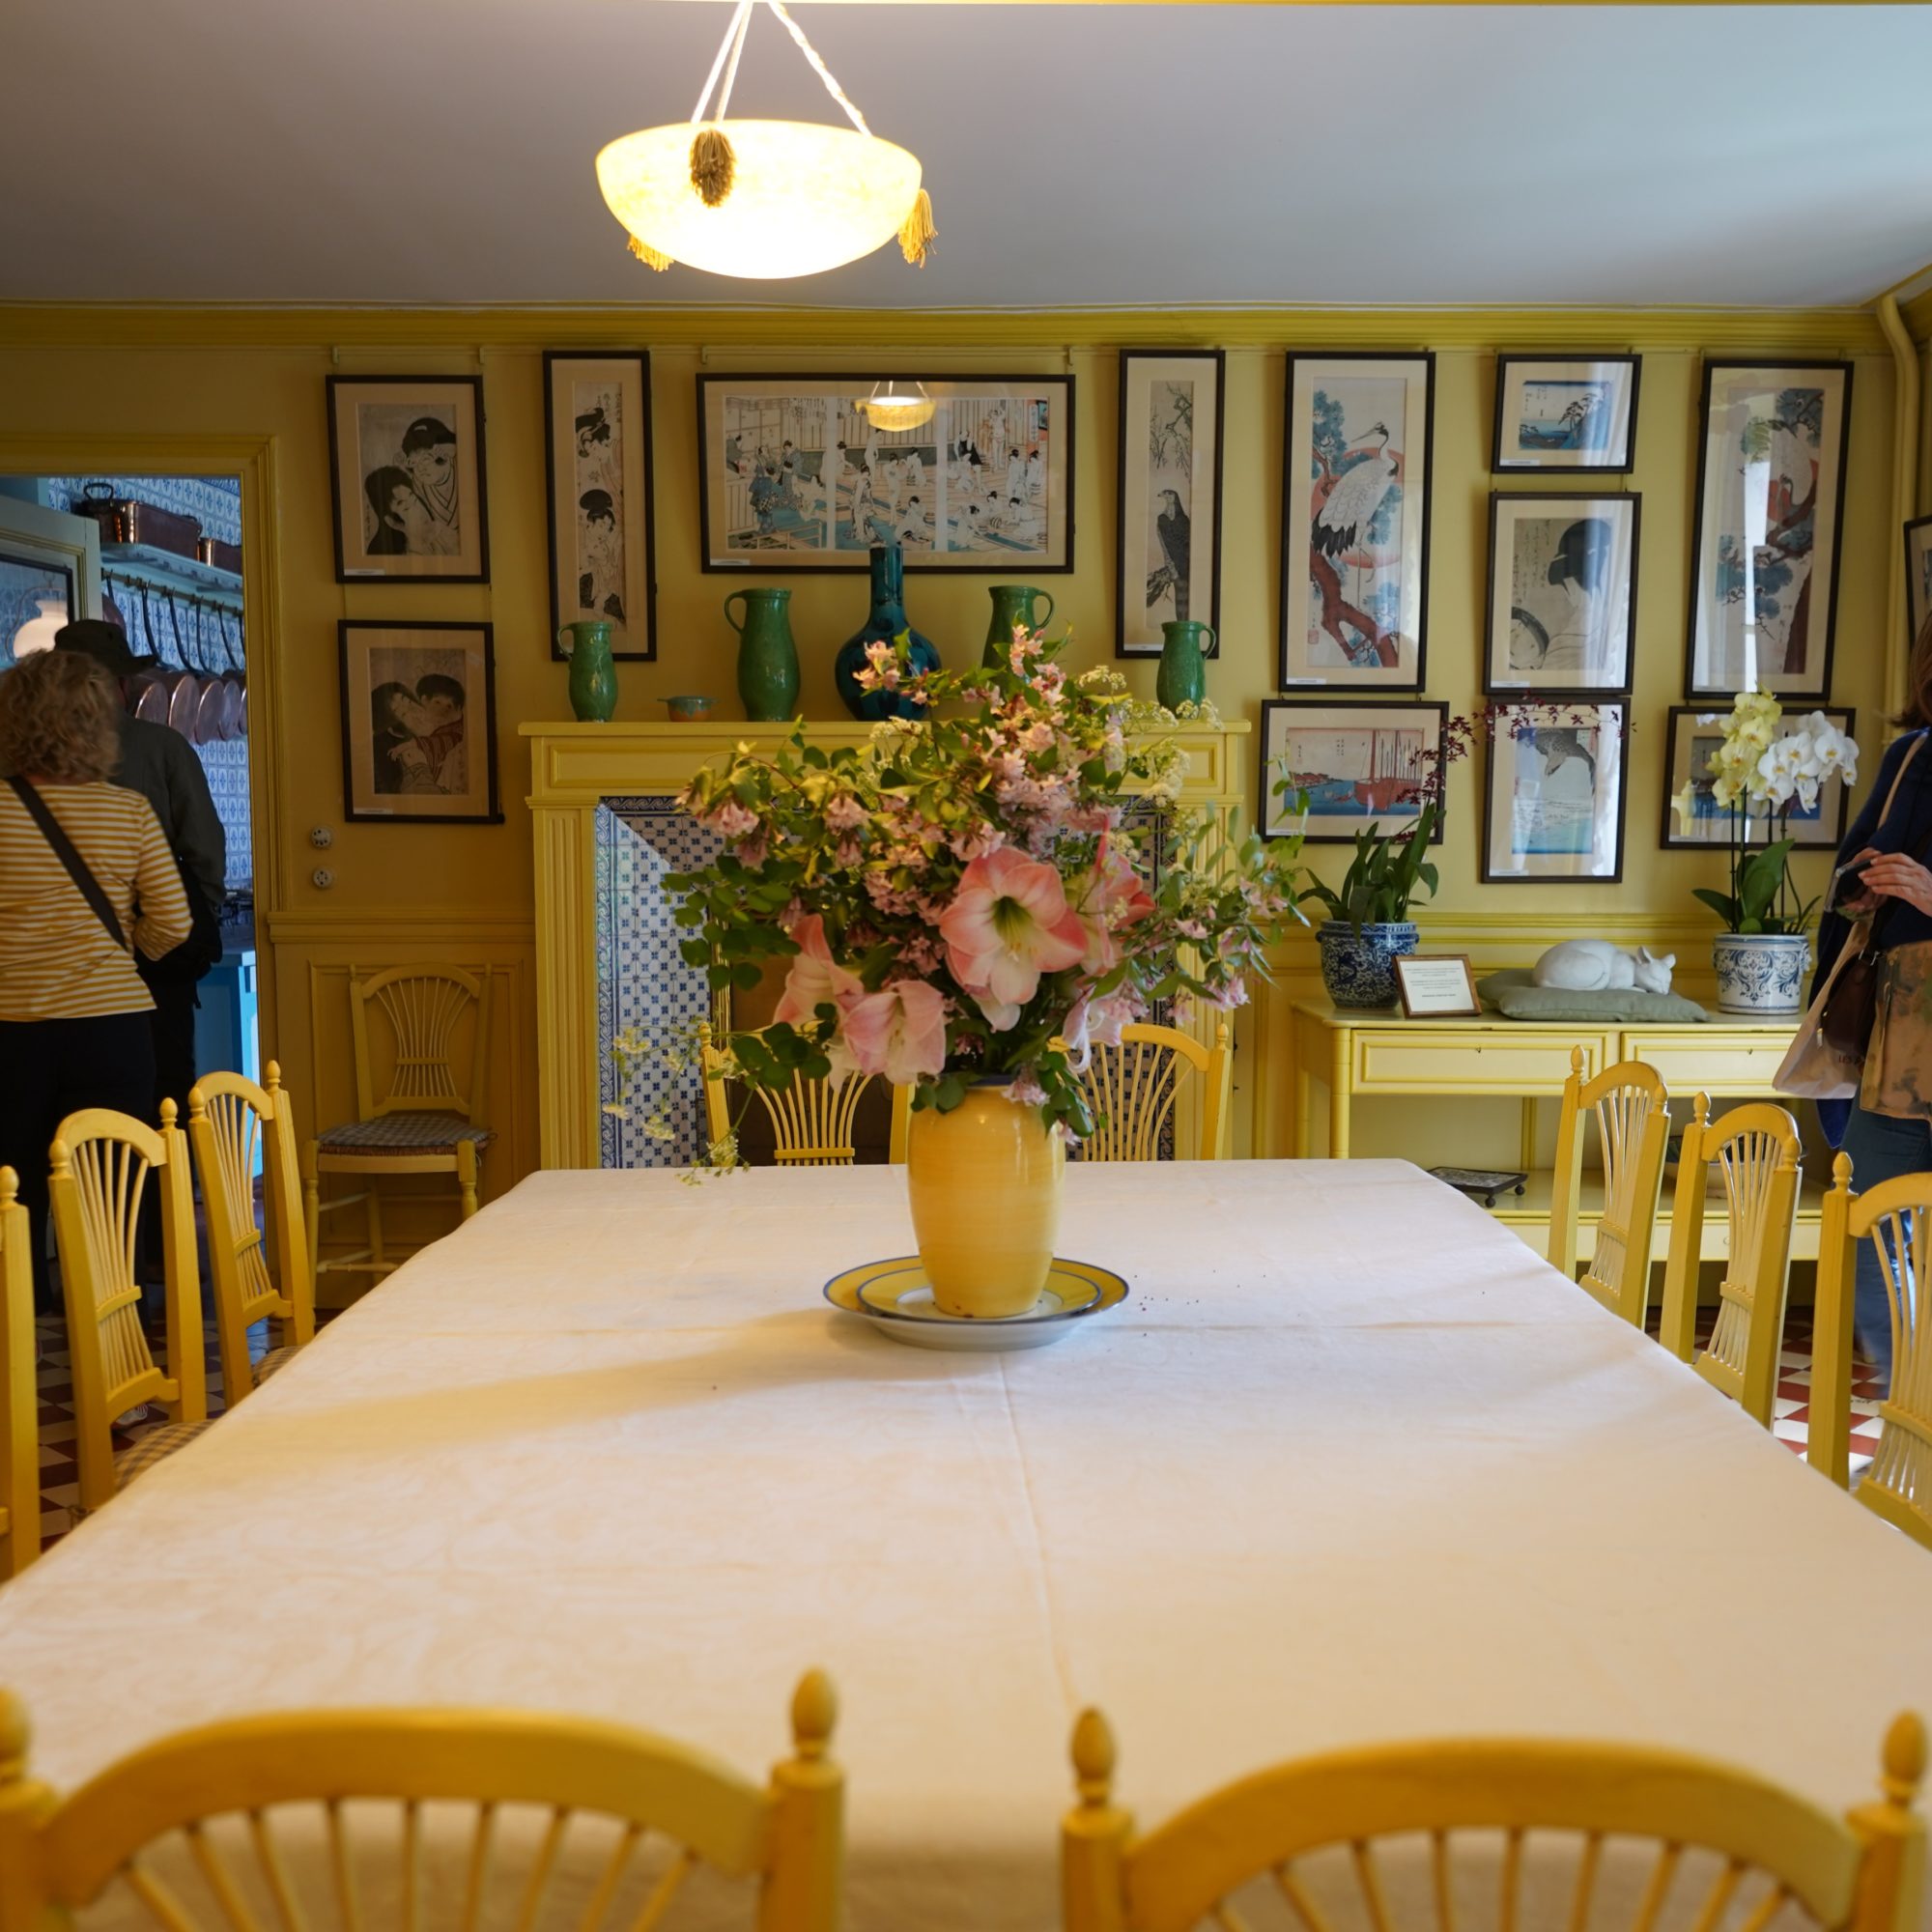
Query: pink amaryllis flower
(1008, 922)
(898, 1031)
(815, 979)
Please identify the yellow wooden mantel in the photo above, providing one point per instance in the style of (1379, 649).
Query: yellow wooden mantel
(573, 766)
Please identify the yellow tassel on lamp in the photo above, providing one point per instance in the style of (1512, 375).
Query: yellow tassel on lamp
(917, 234)
(712, 165)
(649, 256)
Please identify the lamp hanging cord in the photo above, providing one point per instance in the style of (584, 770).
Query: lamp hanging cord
(713, 165)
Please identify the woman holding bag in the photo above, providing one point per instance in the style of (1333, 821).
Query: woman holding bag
(1883, 877)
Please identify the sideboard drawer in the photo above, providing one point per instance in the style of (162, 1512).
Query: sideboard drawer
(1474, 1060)
(1711, 1058)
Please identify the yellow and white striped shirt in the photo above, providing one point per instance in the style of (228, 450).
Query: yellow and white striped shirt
(57, 961)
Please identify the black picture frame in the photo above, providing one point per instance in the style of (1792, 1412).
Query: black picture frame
(640, 522)
(1817, 688)
(1507, 363)
(1504, 726)
(1576, 504)
(335, 388)
(1682, 718)
(1131, 575)
(1278, 715)
(356, 813)
(1294, 559)
(856, 562)
(1918, 577)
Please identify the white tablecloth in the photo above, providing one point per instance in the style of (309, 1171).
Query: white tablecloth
(1351, 1465)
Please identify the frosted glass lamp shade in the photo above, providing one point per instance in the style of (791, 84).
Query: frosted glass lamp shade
(804, 197)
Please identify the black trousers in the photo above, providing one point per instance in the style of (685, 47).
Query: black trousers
(51, 1068)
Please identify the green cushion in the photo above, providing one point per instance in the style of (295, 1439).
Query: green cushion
(1519, 997)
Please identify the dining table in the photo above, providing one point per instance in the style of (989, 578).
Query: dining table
(1349, 1464)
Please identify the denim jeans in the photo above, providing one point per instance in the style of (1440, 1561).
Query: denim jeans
(1881, 1149)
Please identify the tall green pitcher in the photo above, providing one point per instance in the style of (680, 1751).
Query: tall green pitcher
(1012, 604)
(593, 678)
(1182, 678)
(767, 656)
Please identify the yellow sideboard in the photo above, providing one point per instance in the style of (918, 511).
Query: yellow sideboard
(1356, 1054)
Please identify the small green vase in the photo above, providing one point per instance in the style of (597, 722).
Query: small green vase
(593, 678)
(1012, 604)
(767, 656)
(1183, 654)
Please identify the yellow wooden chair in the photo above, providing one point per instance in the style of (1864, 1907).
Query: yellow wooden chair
(426, 1123)
(1862, 1873)
(1896, 1217)
(1755, 1150)
(102, 1163)
(811, 1120)
(19, 1392)
(1633, 1110)
(1133, 1088)
(195, 1827)
(230, 1122)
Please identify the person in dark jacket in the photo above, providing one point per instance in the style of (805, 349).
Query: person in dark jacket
(1889, 1131)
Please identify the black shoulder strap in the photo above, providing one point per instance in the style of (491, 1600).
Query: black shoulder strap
(76, 867)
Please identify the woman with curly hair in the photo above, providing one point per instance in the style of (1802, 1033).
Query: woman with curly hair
(73, 1011)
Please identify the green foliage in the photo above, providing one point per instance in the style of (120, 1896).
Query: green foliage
(1384, 875)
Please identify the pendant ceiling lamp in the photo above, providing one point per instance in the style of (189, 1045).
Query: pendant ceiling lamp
(764, 199)
(897, 408)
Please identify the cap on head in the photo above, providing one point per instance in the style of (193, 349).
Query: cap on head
(104, 643)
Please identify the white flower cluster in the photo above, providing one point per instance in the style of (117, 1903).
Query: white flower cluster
(1758, 763)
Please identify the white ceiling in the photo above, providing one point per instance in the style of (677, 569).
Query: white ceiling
(439, 151)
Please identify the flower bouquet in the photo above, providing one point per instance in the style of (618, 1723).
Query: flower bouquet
(1758, 777)
(964, 903)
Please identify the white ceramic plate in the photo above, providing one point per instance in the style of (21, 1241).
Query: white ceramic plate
(893, 1296)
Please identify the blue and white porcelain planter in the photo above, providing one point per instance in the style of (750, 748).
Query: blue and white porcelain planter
(1355, 966)
(1760, 971)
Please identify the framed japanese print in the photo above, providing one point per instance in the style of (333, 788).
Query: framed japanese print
(406, 472)
(1918, 577)
(1553, 794)
(1771, 499)
(1360, 766)
(1169, 495)
(1566, 413)
(792, 477)
(1355, 548)
(1694, 734)
(1562, 608)
(419, 722)
(597, 463)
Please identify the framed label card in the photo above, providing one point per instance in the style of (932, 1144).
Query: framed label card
(1771, 499)
(1566, 414)
(1695, 735)
(1435, 985)
(1553, 805)
(1562, 611)
(1354, 545)
(791, 476)
(406, 465)
(420, 724)
(1360, 766)
(597, 465)
(1169, 495)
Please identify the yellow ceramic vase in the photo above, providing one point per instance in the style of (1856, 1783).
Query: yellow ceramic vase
(984, 1181)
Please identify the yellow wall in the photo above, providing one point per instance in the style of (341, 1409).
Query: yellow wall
(115, 380)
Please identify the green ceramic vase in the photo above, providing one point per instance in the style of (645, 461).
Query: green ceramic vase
(767, 656)
(593, 676)
(1012, 604)
(1183, 655)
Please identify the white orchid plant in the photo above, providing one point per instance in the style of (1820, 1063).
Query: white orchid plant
(1757, 776)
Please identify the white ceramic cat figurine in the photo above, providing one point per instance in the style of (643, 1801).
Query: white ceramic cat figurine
(1595, 965)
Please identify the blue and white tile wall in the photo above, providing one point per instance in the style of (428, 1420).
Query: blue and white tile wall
(226, 763)
(641, 981)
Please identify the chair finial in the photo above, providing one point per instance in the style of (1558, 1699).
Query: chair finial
(814, 1710)
(1093, 1757)
(1904, 1757)
(16, 1733)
